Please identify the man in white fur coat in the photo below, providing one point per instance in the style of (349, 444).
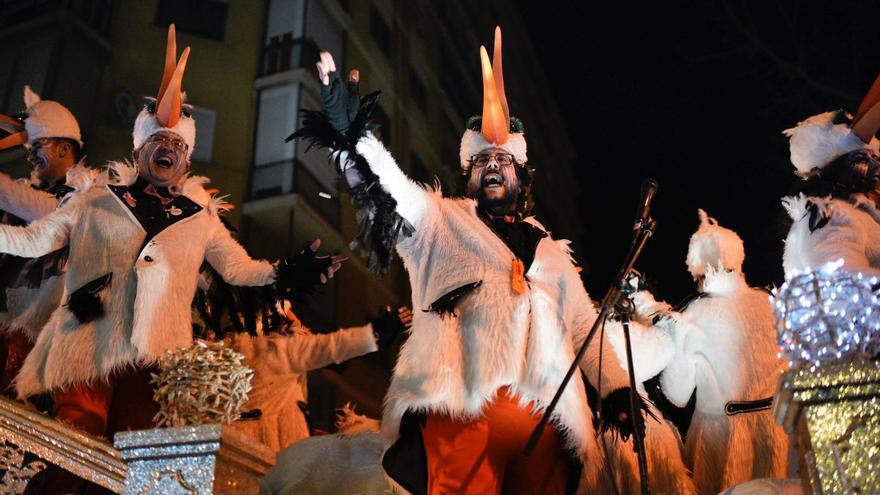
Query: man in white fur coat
(30, 288)
(836, 215)
(499, 309)
(721, 346)
(136, 244)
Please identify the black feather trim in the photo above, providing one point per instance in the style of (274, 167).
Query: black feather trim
(85, 302)
(818, 218)
(380, 224)
(618, 402)
(231, 308)
(445, 305)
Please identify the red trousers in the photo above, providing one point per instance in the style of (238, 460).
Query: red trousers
(14, 347)
(122, 402)
(485, 455)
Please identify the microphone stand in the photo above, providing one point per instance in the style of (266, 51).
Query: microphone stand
(644, 229)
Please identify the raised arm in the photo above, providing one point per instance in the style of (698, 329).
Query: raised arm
(414, 201)
(48, 234)
(24, 201)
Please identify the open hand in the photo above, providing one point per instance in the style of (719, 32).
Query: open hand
(341, 101)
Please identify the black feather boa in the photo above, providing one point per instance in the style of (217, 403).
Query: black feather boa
(223, 307)
(380, 224)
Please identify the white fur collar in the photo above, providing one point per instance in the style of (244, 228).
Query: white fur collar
(192, 186)
(723, 282)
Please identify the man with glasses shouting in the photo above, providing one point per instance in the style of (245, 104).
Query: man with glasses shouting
(30, 288)
(137, 240)
(499, 309)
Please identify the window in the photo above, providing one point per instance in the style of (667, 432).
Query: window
(380, 31)
(205, 18)
(274, 158)
(206, 120)
(417, 90)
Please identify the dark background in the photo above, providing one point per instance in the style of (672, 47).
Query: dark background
(695, 94)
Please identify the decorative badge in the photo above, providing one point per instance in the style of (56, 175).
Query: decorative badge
(129, 199)
(175, 211)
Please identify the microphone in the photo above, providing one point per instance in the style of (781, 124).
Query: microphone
(649, 189)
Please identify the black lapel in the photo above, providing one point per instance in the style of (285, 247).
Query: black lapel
(153, 223)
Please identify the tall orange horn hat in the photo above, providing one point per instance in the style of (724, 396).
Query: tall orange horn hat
(170, 61)
(499, 73)
(495, 124)
(170, 99)
(17, 133)
(867, 119)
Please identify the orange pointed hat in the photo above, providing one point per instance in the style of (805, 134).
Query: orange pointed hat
(168, 112)
(42, 119)
(495, 128)
(819, 140)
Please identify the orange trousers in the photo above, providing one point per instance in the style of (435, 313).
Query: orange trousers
(122, 402)
(14, 347)
(485, 455)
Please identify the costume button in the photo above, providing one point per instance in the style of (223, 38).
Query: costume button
(148, 259)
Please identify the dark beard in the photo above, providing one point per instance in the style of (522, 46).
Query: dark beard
(497, 207)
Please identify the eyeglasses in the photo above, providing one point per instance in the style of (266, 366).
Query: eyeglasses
(40, 143)
(483, 159)
(174, 143)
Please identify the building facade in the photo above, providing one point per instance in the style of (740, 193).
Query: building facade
(250, 73)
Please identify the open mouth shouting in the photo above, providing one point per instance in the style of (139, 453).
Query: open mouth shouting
(38, 162)
(492, 180)
(164, 162)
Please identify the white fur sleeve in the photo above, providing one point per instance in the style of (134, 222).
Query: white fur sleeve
(414, 202)
(584, 314)
(652, 347)
(307, 352)
(233, 263)
(24, 201)
(842, 234)
(678, 380)
(39, 238)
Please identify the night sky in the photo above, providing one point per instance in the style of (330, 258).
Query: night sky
(695, 94)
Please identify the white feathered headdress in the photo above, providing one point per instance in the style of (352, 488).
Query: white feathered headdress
(168, 112)
(822, 138)
(495, 128)
(42, 119)
(714, 247)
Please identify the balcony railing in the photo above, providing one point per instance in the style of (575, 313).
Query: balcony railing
(145, 462)
(284, 53)
(306, 185)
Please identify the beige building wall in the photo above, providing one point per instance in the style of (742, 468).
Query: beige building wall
(219, 76)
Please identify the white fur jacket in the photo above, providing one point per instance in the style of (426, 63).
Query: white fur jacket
(455, 364)
(279, 363)
(826, 230)
(147, 301)
(724, 347)
(28, 309)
